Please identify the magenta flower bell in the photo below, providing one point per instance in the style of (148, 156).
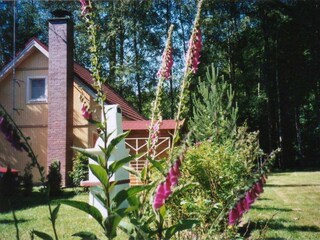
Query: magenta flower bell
(167, 188)
(240, 208)
(250, 198)
(173, 177)
(167, 63)
(233, 216)
(195, 46)
(86, 113)
(245, 204)
(160, 196)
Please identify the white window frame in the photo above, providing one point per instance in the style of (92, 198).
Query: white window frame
(28, 94)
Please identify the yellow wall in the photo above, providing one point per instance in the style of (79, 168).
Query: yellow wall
(31, 118)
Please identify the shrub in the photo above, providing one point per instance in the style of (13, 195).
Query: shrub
(80, 169)
(222, 163)
(54, 179)
(27, 183)
(9, 184)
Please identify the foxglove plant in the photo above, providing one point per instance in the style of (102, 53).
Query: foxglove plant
(142, 221)
(156, 117)
(192, 61)
(191, 67)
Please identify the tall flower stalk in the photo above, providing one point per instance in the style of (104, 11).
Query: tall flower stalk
(156, 115)
(191, 67)
(89, 15)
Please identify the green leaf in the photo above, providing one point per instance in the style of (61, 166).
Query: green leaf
(163, 211)
(144, 172)
(132, 171)
(119, 163)
(42, 235)
(115, 141)
(85, 207)
(100, 173)
(183, 188)
(105, 137)
(111, 224)
(101, 160)
(127, 194)
(86, 153)
(85, 235)
(158, 165)
(54, 214)
(183, 225)
(128, 228)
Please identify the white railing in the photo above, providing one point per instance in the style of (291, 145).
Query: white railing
(138, 146)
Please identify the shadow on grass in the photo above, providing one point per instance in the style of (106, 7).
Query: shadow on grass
(21, 202)
(264, 199)
(275, 224)
(293, 185)
(6, 221)
(272, 209)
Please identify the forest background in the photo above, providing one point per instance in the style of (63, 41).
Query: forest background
(268, 50)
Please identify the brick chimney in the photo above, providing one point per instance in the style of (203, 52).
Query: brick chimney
(60, 93)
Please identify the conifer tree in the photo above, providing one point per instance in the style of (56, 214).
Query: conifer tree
(215, 112)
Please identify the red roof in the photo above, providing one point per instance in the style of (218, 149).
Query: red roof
(85, 76)
(144, 125)
(112, 96)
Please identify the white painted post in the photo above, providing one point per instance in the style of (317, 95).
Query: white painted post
(114, 123)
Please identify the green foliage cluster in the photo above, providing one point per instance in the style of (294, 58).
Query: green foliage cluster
(54, 179)
(223, 163)
(79, 169)
(214, 113)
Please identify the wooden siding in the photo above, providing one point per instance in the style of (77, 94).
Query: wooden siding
(32, 118)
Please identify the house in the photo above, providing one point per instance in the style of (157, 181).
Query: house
(41, 90)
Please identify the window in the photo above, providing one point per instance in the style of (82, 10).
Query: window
(37, 89)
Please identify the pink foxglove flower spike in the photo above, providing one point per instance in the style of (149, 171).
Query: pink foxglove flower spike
(240, 208)
(86, 112)
(164, 190)
(233, 216)
(167, 59)
(159, 197)
(167, 187)
(249, 198)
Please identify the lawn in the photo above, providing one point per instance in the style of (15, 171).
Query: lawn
(32, 213)
(288, 209)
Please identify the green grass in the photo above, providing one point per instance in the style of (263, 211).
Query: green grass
(289, 208)
(32, 213)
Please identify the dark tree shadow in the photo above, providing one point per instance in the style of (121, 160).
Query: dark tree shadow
(6, 221)
(275, 224)
(20, 202)
(264, 199)
(293, 185)
(272, 209)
